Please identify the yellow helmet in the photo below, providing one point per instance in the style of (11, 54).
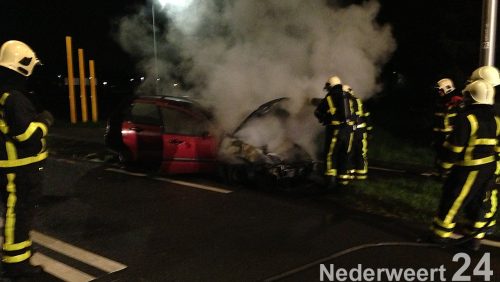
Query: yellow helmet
(488, 73)
(334, 80)
(446, 85)
(347, 88)
(480, 91)
(18, 56)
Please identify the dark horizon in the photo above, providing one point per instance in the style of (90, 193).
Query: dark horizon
(429, 36)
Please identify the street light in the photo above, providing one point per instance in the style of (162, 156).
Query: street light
(155, 50)
(178, 4)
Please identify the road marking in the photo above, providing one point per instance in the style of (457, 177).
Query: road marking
(63, 271)
(179, 182)
(194, 185)
(60, 270)
(126, 172)
(87, 257)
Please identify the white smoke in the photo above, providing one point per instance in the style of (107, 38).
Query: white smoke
(239, 54)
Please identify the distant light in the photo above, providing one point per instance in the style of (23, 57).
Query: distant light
(176, 84)
(158, 79)
(105, 83)
(142, 78)
(59, 75)
(131, 79)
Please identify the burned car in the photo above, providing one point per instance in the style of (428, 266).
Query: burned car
(178, 135)
(259, 148)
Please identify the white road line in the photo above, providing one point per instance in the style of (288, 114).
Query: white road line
(87, 257)
(179, 182)
(125, 172)
(194, 185)
(60, 270)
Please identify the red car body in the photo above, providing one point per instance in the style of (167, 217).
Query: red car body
(173, 134)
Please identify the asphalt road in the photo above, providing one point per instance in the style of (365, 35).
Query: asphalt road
(99, 222)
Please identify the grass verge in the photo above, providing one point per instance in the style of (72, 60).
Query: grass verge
(411, 198)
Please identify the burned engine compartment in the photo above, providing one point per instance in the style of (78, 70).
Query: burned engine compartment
(260, 148)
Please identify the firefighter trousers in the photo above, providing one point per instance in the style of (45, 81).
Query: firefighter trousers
(20, 193)
(469, 189)
(360, 154)
(338, 152)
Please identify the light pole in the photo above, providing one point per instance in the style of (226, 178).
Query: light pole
(488, 32)
(154, 41)
(155, 48)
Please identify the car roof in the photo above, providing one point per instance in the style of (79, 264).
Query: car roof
(167, 99)
(182, 102)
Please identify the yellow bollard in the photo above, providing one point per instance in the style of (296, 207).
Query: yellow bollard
(71, 80)
(93, 94)
(83, 94)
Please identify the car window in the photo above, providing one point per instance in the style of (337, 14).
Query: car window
(177, 121)
(144, 113)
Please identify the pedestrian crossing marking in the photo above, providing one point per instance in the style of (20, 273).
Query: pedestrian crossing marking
(60, 270)
(63, 271)
(87, 257)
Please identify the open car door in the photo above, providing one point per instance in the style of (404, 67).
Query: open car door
(188, 145)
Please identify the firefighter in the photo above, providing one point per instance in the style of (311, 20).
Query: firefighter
(22, 154)
(335, 111)
(449, 102)
(487, 73)
(361, 132)
(492, 76)
(468, 157)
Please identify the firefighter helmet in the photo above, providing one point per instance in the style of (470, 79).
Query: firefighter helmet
(332, 81)
(481, 91)
(445, 86)
(346, 88)
(488, 73)
(18, 56)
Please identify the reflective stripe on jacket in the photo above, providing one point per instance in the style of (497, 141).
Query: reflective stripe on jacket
(22, 136)
(474, 139)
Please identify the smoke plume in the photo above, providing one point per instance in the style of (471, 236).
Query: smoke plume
(238, 54)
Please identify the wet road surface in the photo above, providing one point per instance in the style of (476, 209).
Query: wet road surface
(100, 222)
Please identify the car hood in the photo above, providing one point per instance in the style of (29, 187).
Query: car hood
(262, 110)
(261, 138)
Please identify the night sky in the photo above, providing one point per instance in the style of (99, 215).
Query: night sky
(434, 38)
(45, 24)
